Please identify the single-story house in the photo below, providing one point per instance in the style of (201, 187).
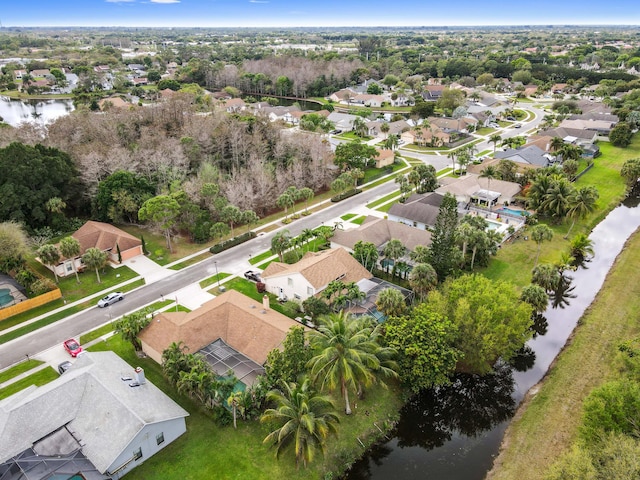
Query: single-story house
(100, 419)
(231, 321)
(342, 121)
(602, 127)
(433, 92)
(452, 124)
(528, 155)
(114, 102)
(311, 275)
(379, 231)
(426, 136)
(569, 133)
(419, 210)
(105, 237)
(384, 157)
(472, 188)
(369, 100)
(345, 95)
(234, 105)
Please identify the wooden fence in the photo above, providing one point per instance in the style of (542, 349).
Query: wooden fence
(30, 303)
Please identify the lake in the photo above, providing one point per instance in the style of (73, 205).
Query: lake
(15, 112)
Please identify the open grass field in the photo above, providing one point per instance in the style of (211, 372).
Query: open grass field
(547, 423)
(211, 451)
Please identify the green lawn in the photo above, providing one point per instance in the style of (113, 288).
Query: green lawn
(249, 289)
(31, 327)
(213, 279)
(352, 136)
(373, 173)
(41, 377)
(208, 450)
(348, 216)
(19, 369)
(515, 260)
(384, 199)
(191, 261)
(485, 131)
(261, 257)
(359, 220)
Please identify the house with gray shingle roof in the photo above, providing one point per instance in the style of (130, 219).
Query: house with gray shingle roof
(379, 231)
(419, 210)
(99, 415)
(530, 155)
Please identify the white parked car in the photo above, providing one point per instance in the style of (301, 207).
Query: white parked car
(110, 299)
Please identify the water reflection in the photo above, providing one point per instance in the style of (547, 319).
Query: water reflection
(540, 324)
(563, 291)
(15, 112)
(524, 359)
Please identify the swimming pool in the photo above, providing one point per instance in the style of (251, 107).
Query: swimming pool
(5, 297)
(520, 213)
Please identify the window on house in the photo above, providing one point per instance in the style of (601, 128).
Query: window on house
(296, 296)
(137, 455)
(69, 266)
(290, 282)
(160, 438)
(309, 291)
(415, 224)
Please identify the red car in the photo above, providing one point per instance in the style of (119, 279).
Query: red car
(72, 347)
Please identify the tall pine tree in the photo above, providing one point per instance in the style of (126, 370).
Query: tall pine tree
(443, 253)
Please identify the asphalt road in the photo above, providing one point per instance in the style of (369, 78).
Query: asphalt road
(233, 261)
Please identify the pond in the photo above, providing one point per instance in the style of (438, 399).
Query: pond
(15, 112)
(454, 432)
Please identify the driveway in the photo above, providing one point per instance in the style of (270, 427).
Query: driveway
(147, 268)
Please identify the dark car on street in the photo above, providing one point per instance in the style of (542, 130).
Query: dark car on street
(251, 275)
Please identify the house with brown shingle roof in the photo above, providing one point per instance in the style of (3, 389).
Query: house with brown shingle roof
(311, 275)
(229, 321)
(105, 237)
(472, 188)
(419, 210)
(384, 157)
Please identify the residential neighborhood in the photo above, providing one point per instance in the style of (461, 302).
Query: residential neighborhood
(373, 237)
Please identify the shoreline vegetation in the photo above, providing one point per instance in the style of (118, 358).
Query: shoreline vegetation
(546, 423)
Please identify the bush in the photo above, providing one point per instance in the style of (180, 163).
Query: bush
(261, 287)
(42, 285)
(232, 242)
(342, 196)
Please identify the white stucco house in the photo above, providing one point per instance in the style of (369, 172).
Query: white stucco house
(311, 275)
(100, 419)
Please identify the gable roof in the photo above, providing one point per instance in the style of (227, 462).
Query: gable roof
(320, 268)
(471, 183)
(422, 208)
(532, 155)
(102, 411)
(238, 320)
(379, 231)
(104, 236)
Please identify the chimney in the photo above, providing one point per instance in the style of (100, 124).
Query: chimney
(265, 302)
(139, 372)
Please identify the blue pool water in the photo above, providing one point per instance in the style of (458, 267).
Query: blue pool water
(521, 213)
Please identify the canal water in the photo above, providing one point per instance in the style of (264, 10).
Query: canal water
(454, 432)
(15, 112)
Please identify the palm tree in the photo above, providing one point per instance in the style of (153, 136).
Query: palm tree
(307, 194)
(420, 254)
(305, 420)
(394, 249)
(581, 203)
(295, 196)
(55, 205)
(423, 278)
(490, 173)
(50, 255)
(464, 234)
(495, 139)
(557, 143)
(95, 258)
(452, 155)
(285, 201)
(541, 233)
(347, 354)
(175, 360)
(390, 302)
(70, 249)
(280, 242)
(232, 215)
(234, 402)
(384, 128)
(556, 201)
(581, 246)
(356, 174)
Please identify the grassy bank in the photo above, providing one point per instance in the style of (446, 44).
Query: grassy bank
(515, 260)
(547, 422)
(208, 450)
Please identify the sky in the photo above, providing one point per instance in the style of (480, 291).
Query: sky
(303, 13)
